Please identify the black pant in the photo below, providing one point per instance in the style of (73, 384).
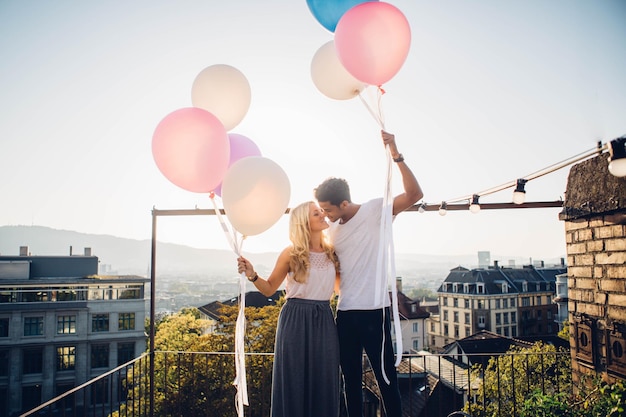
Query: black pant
(363, 329)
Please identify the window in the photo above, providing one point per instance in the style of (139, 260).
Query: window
(513, 331)
(66, 324)
(549, 314)
(34, 296)
(4, 363)
(549, 328)
(445, 329)
(505, 287)
(481, 320)
(498, 317)
(467, 318)
(100, 323)
(505, 303)
(480, 288)
(100, 356)
(539, 315)
(538, 300)
(456, 316)
(445, 315)
(31, 396)
(548, 299)
(505, 317)
(513, 317)
(499, 330)
(66, 358)
(525, 286)
(467, 303)
(33, 326)
(125, 353)
(498, 304)
(512, 302)
(444, 301)
(126, 321)
(480, 304)
(467, 332)
(132, 292)
(506, 331)
(433, 341)
(32, 360)
(415, 327)
(432, 327)
(455, 302)
(416, 345)
(4, 327)
(456, 331)
(525, 301)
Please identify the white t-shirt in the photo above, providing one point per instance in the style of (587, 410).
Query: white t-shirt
(320, 283)
(356, 243)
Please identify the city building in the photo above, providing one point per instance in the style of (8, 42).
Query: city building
(61, 324)
(412, 322)
(508, 301)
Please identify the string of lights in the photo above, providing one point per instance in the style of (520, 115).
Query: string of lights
(617, 167)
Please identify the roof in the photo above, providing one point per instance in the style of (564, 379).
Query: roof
(253, 299)
(406, 310)
(493, 279)
(485, 341)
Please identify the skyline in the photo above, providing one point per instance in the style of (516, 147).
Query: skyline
(489, 93)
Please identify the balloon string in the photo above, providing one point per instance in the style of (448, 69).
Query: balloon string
(376, 114)
(241, 397)
(385, 268)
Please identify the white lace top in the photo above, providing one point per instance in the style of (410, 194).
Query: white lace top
(320, 283)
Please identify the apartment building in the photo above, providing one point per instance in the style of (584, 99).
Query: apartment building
(508, 301)
(62, 324)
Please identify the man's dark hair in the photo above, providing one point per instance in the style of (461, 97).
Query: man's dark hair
(334, 191)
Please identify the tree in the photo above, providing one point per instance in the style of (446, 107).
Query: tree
(509, 379)
(194, 371)
(536, 382)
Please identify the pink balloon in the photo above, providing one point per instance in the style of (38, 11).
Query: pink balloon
(240, 147)
(190, 147)
(372, 41)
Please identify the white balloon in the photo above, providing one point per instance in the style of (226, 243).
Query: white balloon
(224, 91)
(330, 77)
(255, 193)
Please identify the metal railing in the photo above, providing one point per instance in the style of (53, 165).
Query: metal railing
(200, 384)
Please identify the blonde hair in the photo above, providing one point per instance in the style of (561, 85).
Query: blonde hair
(300, 234)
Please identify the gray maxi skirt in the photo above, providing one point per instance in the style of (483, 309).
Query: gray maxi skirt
(306, 375)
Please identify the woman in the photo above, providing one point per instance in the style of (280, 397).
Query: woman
(306, 372)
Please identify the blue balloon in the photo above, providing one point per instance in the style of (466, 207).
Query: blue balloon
(328, 12)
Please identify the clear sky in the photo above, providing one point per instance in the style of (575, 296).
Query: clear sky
(491, 91)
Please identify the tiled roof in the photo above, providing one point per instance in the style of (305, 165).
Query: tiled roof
(253, 299)
(493, 279)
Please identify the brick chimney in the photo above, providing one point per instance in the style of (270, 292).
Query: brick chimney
(594, 213)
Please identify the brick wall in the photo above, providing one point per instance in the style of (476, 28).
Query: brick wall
(594, 213)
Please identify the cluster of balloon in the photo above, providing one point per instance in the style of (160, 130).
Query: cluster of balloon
(371, 43)
(193, 149)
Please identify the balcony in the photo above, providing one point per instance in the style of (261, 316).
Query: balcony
(200, 383)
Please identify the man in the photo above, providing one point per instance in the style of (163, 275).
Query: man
(362, 320)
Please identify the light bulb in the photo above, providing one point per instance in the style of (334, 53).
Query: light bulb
(617, 158)
(519, 197)
(474, 207)
(617, 167)
(443, 208)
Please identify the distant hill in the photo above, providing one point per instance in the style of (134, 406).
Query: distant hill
(123, 256)
(131, 256)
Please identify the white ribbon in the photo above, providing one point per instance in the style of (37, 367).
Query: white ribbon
(241, 397)
(385, 264)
